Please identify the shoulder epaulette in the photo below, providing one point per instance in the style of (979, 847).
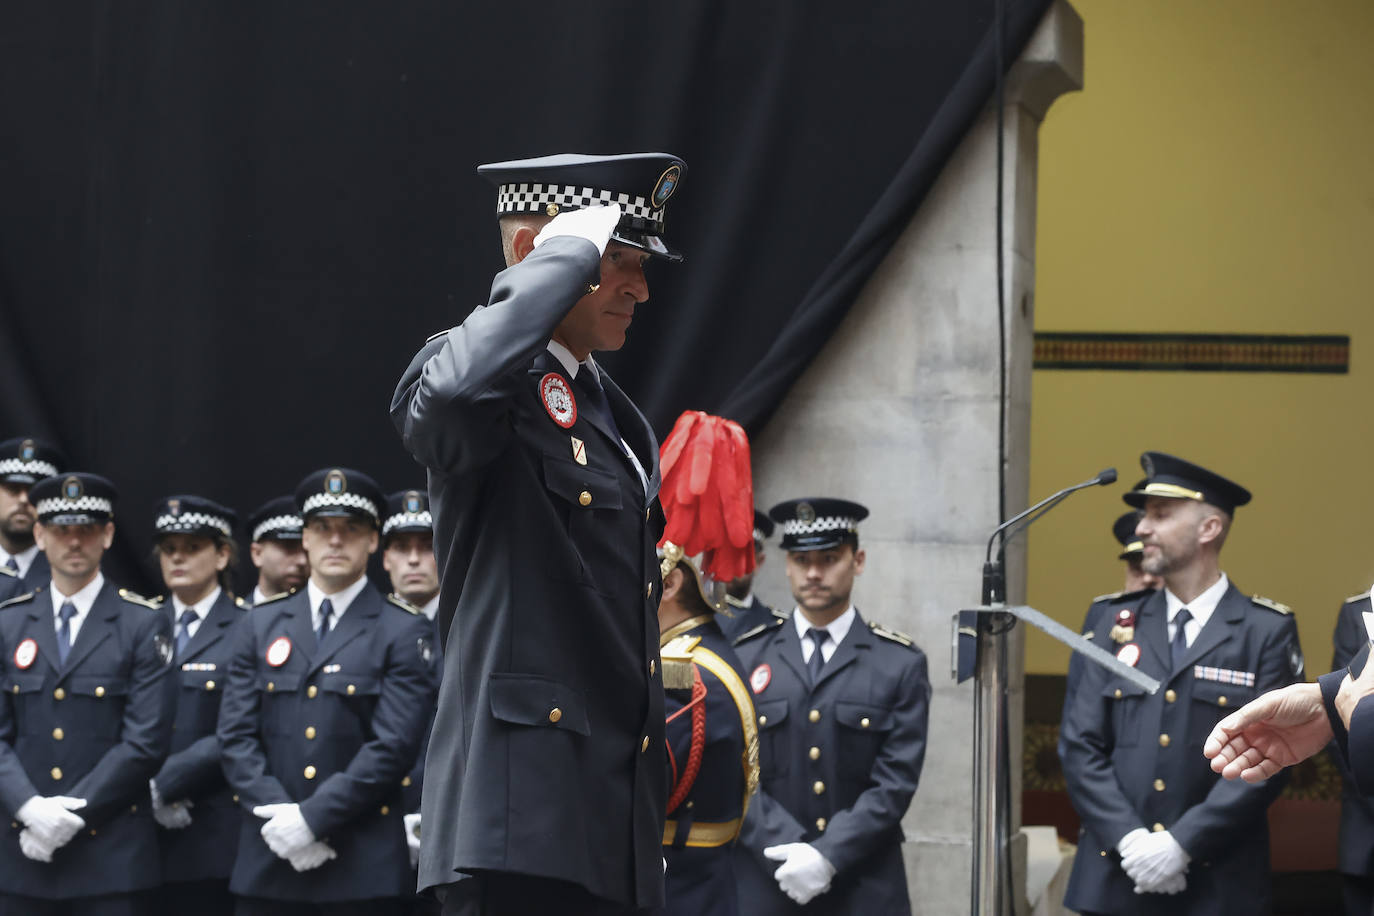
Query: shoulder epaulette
(1353, 598)
(781, 615)
(18, 599)
(1272, 605)
(1119, 596)
(9, 572)
(438, 335)
(899, 638)
(761, 628)
(676, 658)
(403, 604)
(277, 597)
(1111, 596)
(135, 598)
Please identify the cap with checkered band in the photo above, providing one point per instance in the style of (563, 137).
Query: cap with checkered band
(407, 510)
(193, 515)
(340, 493)
(641, 183)
(818, 523)
(763, 527)
(75, 498)
(1175, 478)
(26, 461)
(276, 520)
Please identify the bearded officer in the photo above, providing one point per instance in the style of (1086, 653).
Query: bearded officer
(543, 476)
(842, 706)
(1161, 831)
(743, 610)
(328, 697)
(85, 720)
(276, 550)
(23, 462)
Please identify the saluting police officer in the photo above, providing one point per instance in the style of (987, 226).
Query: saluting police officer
(1161, 831)
(842, 709)
(744, 611)
(23, 462)
(276, 549)
(328, 696)
(545, 779)
(1354, 630)
(194, 543)
(85, 719)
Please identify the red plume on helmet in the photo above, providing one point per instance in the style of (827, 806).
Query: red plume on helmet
(708, 494)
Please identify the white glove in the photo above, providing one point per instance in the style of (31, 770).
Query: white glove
(412, 825)
(34, 848)
(594, 224)
(804, 872)
(1175, 885)
(1154, 861)
(312, 856)
(51, 819)
(286, 832)
(176, 816)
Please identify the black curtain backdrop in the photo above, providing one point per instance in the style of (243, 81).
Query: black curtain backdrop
(226, 227)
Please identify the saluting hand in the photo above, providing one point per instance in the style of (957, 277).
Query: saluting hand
(595, 224)
(1277, 730)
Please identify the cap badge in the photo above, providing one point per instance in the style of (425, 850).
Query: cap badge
(335, 483)
(760, 677)
(25, 653)
(805, 513)
(279, 651)
(413, 502)
(558, 400)
(667, 184)
(174, 506)
(72, 488)
(27, 450)
(1129, 654)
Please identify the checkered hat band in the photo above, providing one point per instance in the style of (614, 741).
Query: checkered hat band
(759, 535)
(193, 520)
(1224, 675)
(351, 500)
(34, 467)
(825, 523)
(59, 506)
(408, 520)
(292, 523)
(535, 198)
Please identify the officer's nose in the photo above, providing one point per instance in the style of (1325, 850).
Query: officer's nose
(636, 284)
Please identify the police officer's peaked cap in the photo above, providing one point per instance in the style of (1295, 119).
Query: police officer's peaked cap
(276, 520)
(763, 526)
(641, 183)
(193, 515)
(26, 461)
(340, 493)
(75, 498)
(407, 510)
(1124, 530)
(818, 523)
(1175, 478)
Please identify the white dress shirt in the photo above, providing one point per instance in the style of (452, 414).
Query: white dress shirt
(259, 596)
(572, 366)
(1200, 607)
(201, 609)
(431, 607)
(82, 601)
(836, 630)
(24, 558)
(340, 601)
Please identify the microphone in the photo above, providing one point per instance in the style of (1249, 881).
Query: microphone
(993, 584)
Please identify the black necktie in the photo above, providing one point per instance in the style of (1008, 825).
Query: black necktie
(813, 667)
(594, 400)
(326, 611)
(64, 631)
(12, 564)
(187, 618)
(1179, 646)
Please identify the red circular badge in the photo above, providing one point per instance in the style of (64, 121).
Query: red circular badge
(25, 653)
(558, 400)
(279, 652)
(758, 680)
(1129, 654)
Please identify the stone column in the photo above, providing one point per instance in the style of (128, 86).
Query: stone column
(900, 412)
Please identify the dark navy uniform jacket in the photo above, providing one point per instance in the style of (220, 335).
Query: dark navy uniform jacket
(698, 839)
(546, 756)
(192, 771)
(1357, 809)
(415, 780)
(736, 620)
(12, 584)
(96, 728)
(1097, 625)
(839, 764)
(335, 727)
(1134, 760)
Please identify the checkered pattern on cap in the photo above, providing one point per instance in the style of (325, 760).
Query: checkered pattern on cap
(351, 500)
(63, 506)
(796, 527)
(292, 523)
(407, 520)
(192, 521)
(533, 197)
(34, 466)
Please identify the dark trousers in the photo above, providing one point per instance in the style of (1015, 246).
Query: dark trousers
(502, 894)
(379, 906)
(138, 903)
(1358, 893)
(203, 898)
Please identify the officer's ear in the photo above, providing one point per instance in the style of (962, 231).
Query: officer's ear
(107, 536)
(859, 557)
(522, 243)
(673, 584)
(373, 541)
(255, 553)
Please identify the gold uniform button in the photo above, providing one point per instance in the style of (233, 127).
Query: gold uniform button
(405, 782)
(92, 831)
(271, 686)
(1159, 785)
(814, 753)
(1170, 696)
(1163, 740)
(814, 715)
(16, 688)
(1103, 853)
(310, 733)
(312, 691)
(100, 691)
(209, 685)
(236, 799)
(551, 209)
(1158, 828)
(646, 514)
(652, 667)
(58, 694)
(818, 787)
(584, 498)
(644, 745)
(763, 720)
(649, 590)
(864, 723)
(1221, 701)
(56, 772)
(820, 824)
(133, 809)
(310, 772)
(1117, 694)
(385, 810)
(350, 690)
(58, 734)
(555, 714)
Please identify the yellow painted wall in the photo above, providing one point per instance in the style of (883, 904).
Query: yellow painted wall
(1215, 175)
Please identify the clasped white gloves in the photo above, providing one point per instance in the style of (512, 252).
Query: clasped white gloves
(289, 836)
(176, 816)
(412, 825)
(1154, 861)
(48, 825)
(594, 224)
(804, 873)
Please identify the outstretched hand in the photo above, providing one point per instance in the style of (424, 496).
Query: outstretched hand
(1277, 730)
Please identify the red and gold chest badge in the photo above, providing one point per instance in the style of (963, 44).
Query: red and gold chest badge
(759, 678)
(279, 651)
(558, 400)
(25, 654)
(1123, 628)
